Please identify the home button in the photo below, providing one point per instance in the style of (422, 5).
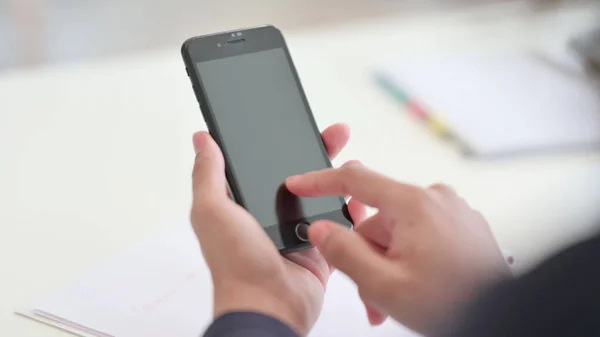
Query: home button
(302, 231)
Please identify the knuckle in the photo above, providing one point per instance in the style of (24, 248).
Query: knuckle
(196, 218)
(211, 202)
(391, 192)
(197, 166)
(343, 173)
(199, 159)
(419, 199)
(366, 297)
(386, 286)
(363, 294)
(203, 206)
(197, 214)
(346, 175)
(347, 171)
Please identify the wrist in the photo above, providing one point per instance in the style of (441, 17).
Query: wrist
(269, 301)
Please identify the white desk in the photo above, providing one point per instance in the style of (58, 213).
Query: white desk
(96, 155)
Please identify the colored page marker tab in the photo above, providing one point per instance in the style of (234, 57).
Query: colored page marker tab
(438, 126)
(417, 109)
(434, 124)
(392, 89)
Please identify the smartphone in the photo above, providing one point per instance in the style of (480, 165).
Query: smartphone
(255, 108)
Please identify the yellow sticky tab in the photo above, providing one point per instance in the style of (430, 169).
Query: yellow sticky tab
(437, 126)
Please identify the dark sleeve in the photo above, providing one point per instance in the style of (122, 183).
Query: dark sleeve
(248, 324)
(561, 297)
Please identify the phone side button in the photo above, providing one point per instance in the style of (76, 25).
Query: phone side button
(302, 231)
(196, 93)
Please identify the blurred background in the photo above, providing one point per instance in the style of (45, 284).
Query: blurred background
(39, 31)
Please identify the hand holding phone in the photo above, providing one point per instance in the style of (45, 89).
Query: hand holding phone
(255, 108)
(249, 274)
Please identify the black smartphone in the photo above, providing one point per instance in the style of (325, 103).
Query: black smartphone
(255, 108)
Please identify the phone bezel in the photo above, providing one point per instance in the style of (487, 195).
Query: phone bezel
(205, 48)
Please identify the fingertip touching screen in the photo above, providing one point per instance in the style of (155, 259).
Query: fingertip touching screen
(267, 133)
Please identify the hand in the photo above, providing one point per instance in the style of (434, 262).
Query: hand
(248, 272)
(419, 258)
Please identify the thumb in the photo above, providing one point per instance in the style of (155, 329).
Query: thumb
(350, 253)
(208, 177)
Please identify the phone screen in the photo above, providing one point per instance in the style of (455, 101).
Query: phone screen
(267, 133)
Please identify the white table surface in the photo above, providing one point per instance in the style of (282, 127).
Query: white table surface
(96, 155)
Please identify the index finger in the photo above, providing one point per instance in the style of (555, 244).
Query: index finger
(365, 185)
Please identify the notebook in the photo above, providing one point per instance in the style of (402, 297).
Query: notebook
(161, 287)
(502, 103)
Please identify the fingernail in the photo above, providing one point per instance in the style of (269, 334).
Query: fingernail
(319, 232)
(292, 179)
(353, 163)
(199, 140)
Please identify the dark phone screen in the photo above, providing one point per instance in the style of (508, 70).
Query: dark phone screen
(266, 131)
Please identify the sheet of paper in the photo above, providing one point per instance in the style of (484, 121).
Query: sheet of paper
(161, 288)
(56, 323)
(503, 103)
